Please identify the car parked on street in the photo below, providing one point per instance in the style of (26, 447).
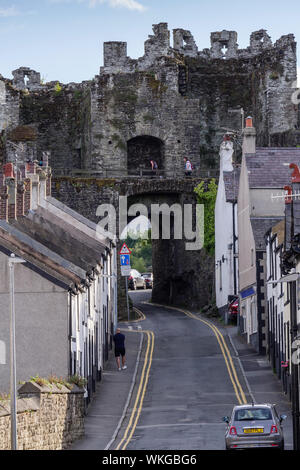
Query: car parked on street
(136, 280)
(149, 280)
(233, 309)
(254, 426)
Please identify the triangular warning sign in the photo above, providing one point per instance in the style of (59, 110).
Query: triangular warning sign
(125, 250)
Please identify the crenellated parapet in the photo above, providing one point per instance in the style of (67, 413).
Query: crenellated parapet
(172, 101)
(223, 45)
(26, 78)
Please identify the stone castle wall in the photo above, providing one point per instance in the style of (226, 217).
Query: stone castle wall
(183, 277)
(180, 95)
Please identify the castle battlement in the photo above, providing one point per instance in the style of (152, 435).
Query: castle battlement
(223, 46)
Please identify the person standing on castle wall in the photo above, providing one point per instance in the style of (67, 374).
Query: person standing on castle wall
(188, 167)
(154, 167)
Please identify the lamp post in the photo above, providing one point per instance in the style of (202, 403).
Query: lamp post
(13, 382)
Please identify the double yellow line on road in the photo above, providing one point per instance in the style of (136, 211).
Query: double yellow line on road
(225, 351)
(137, 408)
(140, 393)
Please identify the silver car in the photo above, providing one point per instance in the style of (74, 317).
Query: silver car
(254, 426)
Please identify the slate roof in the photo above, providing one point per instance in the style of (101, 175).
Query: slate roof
(62, 238)
(101, 237)
(39, 257)
(231, 183)
(260, 226)
(268, 167)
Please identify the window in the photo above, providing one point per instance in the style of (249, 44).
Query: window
(78, 313)
(250, 414)
(253, 315)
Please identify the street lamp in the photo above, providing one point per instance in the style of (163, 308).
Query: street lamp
(13, 380)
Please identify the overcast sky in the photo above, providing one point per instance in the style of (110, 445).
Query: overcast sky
(63, 39)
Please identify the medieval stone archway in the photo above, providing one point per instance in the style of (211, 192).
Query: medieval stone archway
(181, 276)
(142, 149)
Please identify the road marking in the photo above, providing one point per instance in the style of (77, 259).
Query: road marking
(129, 395)
(140, 313)
(136, 411)
(225, 351)
(140, 394)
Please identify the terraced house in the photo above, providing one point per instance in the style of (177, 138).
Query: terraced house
(65, 292)
(264, 173)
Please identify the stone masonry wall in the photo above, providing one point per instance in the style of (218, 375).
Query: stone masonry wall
(180, 95)
(9, 112)
(47, 419)
(181, 277)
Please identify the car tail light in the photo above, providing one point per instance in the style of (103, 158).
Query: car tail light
(232, 431)
(274, 429)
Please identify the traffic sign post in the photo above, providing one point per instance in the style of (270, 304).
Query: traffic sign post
(128, 311)
(125, 250)
(125, 260)
(125, 253)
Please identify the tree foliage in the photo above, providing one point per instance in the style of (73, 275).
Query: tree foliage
(141, 257)
(207, 197)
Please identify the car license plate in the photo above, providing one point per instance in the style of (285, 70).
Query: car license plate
(253, 430)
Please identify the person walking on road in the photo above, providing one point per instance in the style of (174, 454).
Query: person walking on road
(119, 340)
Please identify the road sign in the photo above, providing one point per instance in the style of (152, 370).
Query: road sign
(125, 260)
(125, 250)
(125, 270)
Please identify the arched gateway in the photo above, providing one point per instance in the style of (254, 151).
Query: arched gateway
(181, 276)
(142, 149)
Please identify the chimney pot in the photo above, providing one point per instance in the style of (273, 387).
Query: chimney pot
(249, 137)
(249, 121)
(288, 198)
(296, 173)
(8, 170)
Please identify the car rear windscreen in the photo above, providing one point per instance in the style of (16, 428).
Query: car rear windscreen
(250, 414)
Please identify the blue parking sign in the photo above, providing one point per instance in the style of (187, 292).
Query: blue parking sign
(125, 260)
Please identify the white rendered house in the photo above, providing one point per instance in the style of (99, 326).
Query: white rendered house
(226, 260)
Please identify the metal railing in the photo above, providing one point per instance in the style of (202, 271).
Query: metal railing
(136, 173)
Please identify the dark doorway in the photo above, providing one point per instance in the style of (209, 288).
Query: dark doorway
(142, 149)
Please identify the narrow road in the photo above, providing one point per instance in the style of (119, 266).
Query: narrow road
(189, 388)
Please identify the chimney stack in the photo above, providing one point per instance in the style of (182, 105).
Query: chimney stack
(3, 197)
(23, 189)
(226, 153)
(35, 184)
(249, 137)
(11, 184)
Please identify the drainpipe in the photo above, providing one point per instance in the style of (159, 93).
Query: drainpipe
(295, 380)
(234, 249)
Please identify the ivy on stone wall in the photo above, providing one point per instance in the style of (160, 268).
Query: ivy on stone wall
(207, 196)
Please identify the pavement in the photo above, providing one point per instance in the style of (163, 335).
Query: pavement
(108, 407)
(106, 411)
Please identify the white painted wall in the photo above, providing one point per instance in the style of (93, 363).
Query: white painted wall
(41, 325)
(224, 265)
(274, 293)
